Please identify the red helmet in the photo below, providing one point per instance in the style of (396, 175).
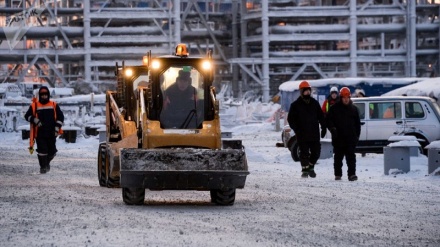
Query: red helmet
(345, 92)
(304, 84)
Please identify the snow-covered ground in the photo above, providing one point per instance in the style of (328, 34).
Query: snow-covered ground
(67, 207)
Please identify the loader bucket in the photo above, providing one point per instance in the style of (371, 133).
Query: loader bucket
(183, 169)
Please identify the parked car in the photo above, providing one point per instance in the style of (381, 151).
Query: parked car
(383, 117)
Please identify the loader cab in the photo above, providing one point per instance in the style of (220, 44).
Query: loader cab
(183, 98)
(173, 91)
(182, 92)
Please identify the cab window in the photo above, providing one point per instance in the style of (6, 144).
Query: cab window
(142, 81)
(182, 90)
(361, 109)
(385, 110)
(414, 110)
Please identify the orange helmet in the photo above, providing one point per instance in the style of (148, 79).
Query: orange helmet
(304, 84)
(345, 92)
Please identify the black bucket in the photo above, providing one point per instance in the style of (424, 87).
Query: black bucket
(88, 130)
(69, 136)
(25, 134)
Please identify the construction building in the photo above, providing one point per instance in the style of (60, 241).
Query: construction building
(257, 44)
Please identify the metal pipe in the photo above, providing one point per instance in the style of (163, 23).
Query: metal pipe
(243, 46)
(177, 22)
(382, 44)
(411, 5)
(353, 39)
(265, 47)
(235, 86)
(87, 46)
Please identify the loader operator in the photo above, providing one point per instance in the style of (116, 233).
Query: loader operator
(47, 117)
(180, 103)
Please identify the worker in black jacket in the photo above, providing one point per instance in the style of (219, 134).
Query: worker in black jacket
(46, 118)
(180, 104)
(344, 123)
(305, 116)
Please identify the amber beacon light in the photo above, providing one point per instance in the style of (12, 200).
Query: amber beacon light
(181, 50)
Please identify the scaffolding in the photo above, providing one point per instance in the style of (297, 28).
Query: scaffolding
(293, 40)
(71, 42)
(257, 44)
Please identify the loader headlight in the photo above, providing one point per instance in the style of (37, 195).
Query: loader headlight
(128, 72)
(206, 65)
(145, 60)
(155, 64)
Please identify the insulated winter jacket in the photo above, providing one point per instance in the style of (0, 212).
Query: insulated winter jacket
(304, 118)
(178, 107)
(327, 103)
(50, 116)
(344, 123)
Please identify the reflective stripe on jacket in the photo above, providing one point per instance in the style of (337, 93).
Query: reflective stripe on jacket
(50, 115)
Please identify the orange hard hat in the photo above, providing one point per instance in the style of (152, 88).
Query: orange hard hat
(345, 92)
(304, 84)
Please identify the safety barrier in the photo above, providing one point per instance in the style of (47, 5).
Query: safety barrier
(433, 157)
(397, 155)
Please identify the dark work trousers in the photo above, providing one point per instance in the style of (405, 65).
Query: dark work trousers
(46, 145)
(350, 158)
(309, 152)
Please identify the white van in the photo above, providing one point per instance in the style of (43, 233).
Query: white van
(386, 116)
(382, 117)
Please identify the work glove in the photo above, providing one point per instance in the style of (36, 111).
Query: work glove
(323, 132)
(37, 122)
(334, 132)
(57, 131)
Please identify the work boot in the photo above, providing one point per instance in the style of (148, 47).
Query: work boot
(305, 172)
(338, 178)
(42, 159)
(352, 178)
(50, 158)
(312, 172)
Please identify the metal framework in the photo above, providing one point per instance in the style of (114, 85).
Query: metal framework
(258, 44)
(327, 39)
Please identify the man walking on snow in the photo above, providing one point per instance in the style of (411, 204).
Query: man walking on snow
(345, 125)
(305, 116)
(47, 118)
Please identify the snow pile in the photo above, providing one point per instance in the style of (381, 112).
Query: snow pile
(291, 86)
(404, 144)
(253, 112)
(434, 144)
(429, 87)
